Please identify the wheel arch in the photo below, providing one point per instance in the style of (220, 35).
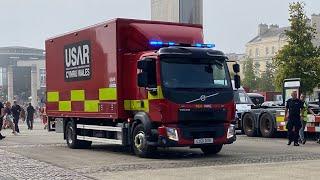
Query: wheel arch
(142, 118)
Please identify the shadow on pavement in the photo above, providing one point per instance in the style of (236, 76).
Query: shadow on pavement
(161, 153)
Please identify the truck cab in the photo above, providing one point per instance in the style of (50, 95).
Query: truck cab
(192, 97)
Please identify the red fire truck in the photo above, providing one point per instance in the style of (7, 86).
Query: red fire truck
(143, 84)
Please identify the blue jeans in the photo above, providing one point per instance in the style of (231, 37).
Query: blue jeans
(301, 131)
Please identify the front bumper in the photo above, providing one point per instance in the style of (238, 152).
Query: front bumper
(221, 134)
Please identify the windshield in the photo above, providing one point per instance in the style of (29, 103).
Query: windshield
(197, 75)
(241, 97)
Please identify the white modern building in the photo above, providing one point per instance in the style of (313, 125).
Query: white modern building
(22, 74)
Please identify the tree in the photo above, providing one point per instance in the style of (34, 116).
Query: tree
(299, 58)
(265, 81)
(250, 78)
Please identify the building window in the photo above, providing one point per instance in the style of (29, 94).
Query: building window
(257, 52)
(267, 51)
(42, 73)
(273, 50)
(250, 52)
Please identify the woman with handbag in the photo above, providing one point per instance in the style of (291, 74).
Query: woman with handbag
(8, 117)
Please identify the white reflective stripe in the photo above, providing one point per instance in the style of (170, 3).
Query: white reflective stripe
(103, 128)
(102, 140)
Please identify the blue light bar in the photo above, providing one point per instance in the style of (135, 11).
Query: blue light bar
(210, 45)
(157, 43)
(204, 45)
(153, 42)
(160, 43)
(170, 43)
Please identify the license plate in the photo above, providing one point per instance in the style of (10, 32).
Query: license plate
(203, 141)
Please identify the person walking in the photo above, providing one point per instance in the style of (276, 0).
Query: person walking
(1, 119)
(30, 116)
(16, 110)
(8, 117)
(23, 114)
(295, 106)
(304, 119)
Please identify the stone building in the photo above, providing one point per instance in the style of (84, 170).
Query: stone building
(22, 73)
(270, 39)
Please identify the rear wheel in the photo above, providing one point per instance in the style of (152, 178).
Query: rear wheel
(139, 142)
(248, 125)
(267, 126)
(71, 137)
(212, 149)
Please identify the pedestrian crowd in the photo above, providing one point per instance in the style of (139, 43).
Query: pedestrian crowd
(12, 114)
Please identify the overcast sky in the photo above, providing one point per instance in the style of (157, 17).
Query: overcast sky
(227, 23)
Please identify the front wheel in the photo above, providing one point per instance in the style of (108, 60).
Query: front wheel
(212, 149)
(139, 142)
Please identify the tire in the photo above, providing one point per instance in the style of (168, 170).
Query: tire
(266, 126)
(139, 142)
(211, 150)
(71, 138)
(248, 125)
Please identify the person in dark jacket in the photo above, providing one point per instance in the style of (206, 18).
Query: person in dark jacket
(30, 116)
(295, 107)
(16, 110)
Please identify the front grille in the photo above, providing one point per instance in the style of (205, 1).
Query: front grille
(219, 115)
(202, 132)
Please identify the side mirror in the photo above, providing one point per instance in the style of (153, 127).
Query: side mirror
(147, 78)
(237, 81)
(236, 68)
(143, 79)
(145, 64)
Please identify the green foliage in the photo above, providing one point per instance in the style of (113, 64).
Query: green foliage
(250, 78)
(266, 79)
(299, 58)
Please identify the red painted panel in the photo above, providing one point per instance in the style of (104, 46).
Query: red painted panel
(116, 46)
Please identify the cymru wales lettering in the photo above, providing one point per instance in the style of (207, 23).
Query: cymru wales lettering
(77, 61)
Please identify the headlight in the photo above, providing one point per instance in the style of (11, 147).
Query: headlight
(231, 131)
(172, 133)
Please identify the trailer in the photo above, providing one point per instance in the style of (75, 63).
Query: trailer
(268, 121)
(141, 84)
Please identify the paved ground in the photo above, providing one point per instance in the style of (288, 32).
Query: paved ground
(39, 154)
